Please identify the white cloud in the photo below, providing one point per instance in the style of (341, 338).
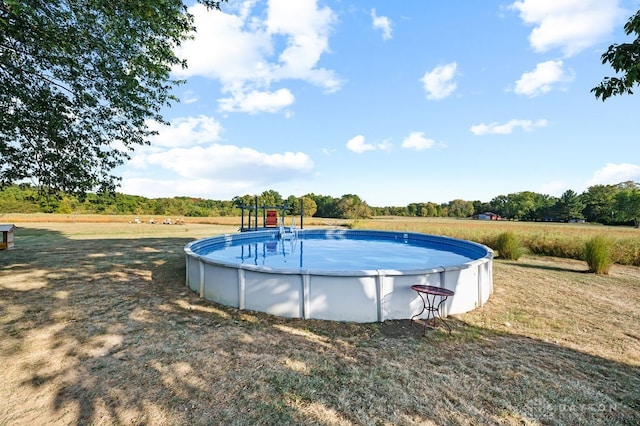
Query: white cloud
(247, 53)
(229, 162)
(223, 170)
(185, 131)
(253, 102)
(381, 23)
(507, 128)
(417, 141)
(569, 25)
(307, 30)
(439, 83)
(358, 145)
(185, 158)
(542, 79)
(612, 174)
(223, 49)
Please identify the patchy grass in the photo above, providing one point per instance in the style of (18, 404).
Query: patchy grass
(97, 327)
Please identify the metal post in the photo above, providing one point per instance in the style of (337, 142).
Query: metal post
(256, 214)
(301, 213)
(283, 206)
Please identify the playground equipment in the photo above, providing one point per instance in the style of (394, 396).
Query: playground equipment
(269, 218)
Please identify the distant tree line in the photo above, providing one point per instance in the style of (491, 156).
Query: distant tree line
(606, 204)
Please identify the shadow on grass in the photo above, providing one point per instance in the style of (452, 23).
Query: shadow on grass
(575, 266)
(105, 331)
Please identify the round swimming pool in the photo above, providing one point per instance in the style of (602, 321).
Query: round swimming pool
(345, 275)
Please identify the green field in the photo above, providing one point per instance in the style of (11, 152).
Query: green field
(97, 327)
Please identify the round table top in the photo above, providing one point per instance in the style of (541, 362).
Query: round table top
(430, 289)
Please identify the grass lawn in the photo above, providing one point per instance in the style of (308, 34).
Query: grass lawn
(97, 327)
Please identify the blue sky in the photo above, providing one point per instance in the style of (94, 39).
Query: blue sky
(396, 102)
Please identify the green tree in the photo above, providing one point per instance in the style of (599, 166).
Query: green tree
(414, 209)
(422, 209)
(79, 80)
(430, 209)
(460, 208)
(545, 207)
(18, 199)
(569, 206)
(624, 58)
(227, 208)
(522, 205)
(500, 205)
(442, 210)
(247, 200)
(308, 205)
(350, 206)
(67, 205)
(325, 204)
(628, 203)
(271, 198)
(599, 203)
(481, 207)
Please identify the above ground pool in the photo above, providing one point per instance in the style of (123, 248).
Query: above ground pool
(343, 275)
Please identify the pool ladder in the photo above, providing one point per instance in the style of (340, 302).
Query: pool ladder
(289, 233)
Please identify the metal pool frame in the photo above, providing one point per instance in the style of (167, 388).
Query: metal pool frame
(358, 296)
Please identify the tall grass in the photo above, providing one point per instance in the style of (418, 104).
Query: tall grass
(509, 246)
(597, 253)
(548, 239)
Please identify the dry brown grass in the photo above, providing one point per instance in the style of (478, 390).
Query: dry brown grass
(232, 221)
(553, 239)
(97, 327)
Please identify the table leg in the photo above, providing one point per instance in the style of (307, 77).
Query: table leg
(437, 311)
(432, 311)
(424, 308)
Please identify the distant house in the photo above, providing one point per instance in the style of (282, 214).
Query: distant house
(488, 216)
(7, 236)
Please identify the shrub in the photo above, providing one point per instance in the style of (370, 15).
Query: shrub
(597, 253)
(509, 246)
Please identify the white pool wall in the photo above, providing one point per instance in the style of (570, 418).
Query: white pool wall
(358, 296)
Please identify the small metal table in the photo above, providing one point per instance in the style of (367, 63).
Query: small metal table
(429, 303)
